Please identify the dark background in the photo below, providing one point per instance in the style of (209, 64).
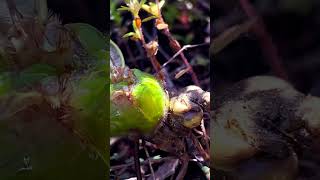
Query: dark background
(94, 12)
(293, 26)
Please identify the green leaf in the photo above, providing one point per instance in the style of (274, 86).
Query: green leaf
(124, 8)
(171, 14)
(161, 3)
(40, 69)
(149, 18)
(33, 74)
(5, 83)
(94, 42)
(114, 14)
(102, 64)
(36, 147)
(142, 2)
(90, 110)
(129, 34)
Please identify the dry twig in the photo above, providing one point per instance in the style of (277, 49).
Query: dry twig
(266, 41)
(175, 45)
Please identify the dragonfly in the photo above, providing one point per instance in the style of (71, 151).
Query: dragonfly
(174, 131)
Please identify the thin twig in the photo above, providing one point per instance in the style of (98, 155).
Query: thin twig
(185, 162)
(199, 147)
(205, 135)
(137, 160)
(148, 156)
(152, 56)
(175, 45)
(152, 161)
(168, 83)
(206, 172)
(161, 50)
(14, 13)
(185, 47)
(16, 17)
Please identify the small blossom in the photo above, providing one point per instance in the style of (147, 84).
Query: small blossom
(136, 35)
(133, 6)
(153, 8)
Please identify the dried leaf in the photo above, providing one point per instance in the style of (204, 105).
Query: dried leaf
(166, 170)
(181, 73)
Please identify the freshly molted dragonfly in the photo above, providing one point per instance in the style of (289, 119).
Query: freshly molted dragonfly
(140, 103)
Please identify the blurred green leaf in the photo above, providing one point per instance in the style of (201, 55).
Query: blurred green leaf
(171, 13)
(32, 74)
(89, 97)
(297, 6)
(114, 14)
(35, 147)
(5, 83)
(149, 18)
(90, 110)
(90, 38)
(185, 39)
(39, 142)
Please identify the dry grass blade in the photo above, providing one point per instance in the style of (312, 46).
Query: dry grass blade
(181, 73)
(228, 36)
(167, 169)
(136, 160)
(183, 171)
(149, 163)
(185, 47)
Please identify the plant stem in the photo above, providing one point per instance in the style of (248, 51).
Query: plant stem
(150, 55)
(152, 161)
(184, 167)
(267, 44)
(136, 159)
(175, 45)
(148, 156)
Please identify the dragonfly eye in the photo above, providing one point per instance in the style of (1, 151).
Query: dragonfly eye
(193, 117)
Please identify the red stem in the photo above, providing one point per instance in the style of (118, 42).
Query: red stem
(175, 45)
(266, 42)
